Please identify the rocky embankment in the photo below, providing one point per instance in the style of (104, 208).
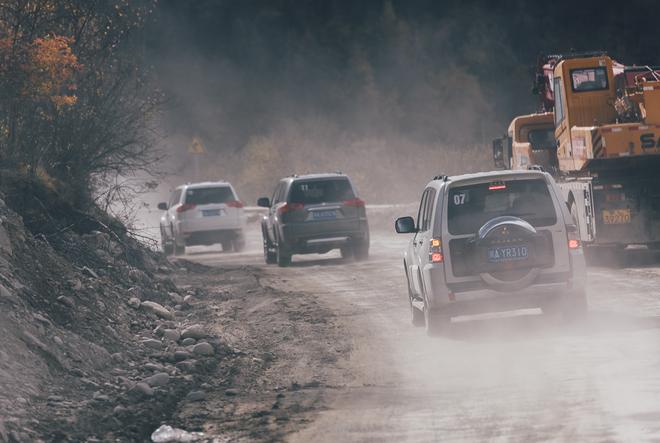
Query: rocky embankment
(96, 340)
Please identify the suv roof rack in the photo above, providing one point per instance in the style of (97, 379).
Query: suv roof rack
(442, 177)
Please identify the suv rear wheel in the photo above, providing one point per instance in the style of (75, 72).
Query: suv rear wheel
(346, 252)
(283, 256)
(238, 244)
(435, 322)
(361, 249)
(270, 256)
(168, 249)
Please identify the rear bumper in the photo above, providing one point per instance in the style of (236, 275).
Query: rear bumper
(476, 296)
(304, 238)
(187, 227)
(211, 237)
(482, 302)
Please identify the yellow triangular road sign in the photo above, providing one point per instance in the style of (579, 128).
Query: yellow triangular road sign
(196, 146)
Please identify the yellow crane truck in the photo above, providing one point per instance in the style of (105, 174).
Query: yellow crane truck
(598, 132)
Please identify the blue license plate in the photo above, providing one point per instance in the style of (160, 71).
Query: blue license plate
(210, 212)
(508, 253)
(324, 215)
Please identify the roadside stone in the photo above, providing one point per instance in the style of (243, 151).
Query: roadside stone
(152, 343)
(188, 341)
(182, 355)
(196, 396)
(141, 389)
(134, 302)
(157, 309)
(187, 366)
(154, 367)
(188, 299)
(100, 397)
(136, 291)
(75, 284)
(42, 319)
(203, 348)
(137, 276)
(194, 331)
(89, 272)
(171, 334)
(178, 307)
(176, 298)
(117, 357)
(119, 409)
(160, 330)
(67, 301)
(231, 392)
(159, 379)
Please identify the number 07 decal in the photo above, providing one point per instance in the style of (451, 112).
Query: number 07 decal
(459, 199)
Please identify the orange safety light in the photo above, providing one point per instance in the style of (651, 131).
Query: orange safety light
(436, 243)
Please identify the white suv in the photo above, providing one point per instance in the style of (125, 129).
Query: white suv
(494, 241)
(202, 214)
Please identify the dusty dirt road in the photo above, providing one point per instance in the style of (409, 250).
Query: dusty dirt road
(510, 377)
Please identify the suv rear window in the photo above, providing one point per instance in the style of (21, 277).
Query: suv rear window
(205, 196)
(472, 206)
(319, 191)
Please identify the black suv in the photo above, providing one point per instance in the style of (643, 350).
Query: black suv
(314, 214)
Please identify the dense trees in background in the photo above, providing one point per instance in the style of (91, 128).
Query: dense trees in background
(75, 105)
(370, 87)
(376, 88)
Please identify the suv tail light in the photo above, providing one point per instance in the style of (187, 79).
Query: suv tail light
(185, 207)
(355, 202)
(435, 251)
(573, 237)
(288, 207)
(235, 204)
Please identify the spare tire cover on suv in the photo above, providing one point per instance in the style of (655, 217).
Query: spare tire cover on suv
(505, 248)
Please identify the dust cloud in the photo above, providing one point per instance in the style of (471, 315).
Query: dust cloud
(387, 97)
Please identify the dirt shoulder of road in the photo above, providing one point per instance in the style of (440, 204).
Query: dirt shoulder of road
(285, 347)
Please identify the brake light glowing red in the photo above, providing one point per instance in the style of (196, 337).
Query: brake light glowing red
(185, 207)
(288, 207)
(496, 187)
(573, 243)
(435, 251)
(356, 202)
(235, 204)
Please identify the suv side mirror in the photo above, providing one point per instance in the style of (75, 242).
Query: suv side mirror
(264, 202)
(162, 206)
(405, 225)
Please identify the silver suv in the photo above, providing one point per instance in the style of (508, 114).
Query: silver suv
(202, 214)
(488, 242)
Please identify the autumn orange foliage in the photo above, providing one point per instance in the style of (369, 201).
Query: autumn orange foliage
(51, 70)
(46, 68)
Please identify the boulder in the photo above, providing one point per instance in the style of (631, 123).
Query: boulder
(157, 309)
(194, 331)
